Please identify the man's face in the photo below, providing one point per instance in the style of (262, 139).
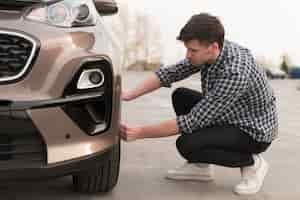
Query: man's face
(198, 53)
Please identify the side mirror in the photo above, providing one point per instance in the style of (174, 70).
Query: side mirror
(106, 7)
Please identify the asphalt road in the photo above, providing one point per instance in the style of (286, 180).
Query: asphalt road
(145, 162)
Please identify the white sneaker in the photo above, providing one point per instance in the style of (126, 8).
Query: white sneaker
(192, 171)
(252, 176)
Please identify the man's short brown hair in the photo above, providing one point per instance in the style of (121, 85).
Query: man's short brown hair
(203, 27)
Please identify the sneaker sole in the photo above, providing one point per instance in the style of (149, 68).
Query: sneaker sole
(255, 190)
(189, 178)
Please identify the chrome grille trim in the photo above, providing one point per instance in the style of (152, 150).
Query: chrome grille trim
(30, 59)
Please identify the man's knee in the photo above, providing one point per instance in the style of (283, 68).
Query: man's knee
(187, 149)
(185, 95)
(179, 144)
(182, 146)
(178, 94)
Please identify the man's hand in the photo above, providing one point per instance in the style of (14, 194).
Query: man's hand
(150, 84)
(164, 129)
(130, 134)
(127, 96)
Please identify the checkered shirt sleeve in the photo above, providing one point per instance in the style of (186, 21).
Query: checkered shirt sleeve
(172, 73)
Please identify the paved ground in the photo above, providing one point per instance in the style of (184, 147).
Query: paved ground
(145, 162)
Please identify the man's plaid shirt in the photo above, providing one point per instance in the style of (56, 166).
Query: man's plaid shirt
(236, 92)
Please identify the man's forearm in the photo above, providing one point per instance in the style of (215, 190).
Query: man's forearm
(164, 129)
(150, 84)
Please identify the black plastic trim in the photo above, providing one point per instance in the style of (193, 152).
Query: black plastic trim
(71, 89)
(25, 105)
(18, 142)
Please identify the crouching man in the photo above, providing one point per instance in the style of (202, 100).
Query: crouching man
(229, 123)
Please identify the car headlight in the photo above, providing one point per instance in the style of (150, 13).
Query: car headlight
(65, 13)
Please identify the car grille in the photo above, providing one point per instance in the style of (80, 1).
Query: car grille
(16, 54)
(21, 147)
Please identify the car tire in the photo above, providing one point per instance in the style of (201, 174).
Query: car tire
(102, 178)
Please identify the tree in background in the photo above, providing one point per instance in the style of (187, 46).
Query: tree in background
(148, 49)
(140, 39)
(284, 66)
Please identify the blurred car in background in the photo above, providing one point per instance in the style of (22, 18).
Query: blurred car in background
(294, 72)
(275, 73)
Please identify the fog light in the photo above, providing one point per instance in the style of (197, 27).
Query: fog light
(90, 78)
(95, 77)
(83, 13)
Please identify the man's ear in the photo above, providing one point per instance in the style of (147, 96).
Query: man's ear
(215, 46)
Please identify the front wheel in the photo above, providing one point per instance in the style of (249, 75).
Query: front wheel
(102, 178)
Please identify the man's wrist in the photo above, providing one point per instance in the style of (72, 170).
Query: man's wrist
(142, 132)
(132, 95)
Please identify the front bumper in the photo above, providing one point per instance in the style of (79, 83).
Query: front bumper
(23, 144)
(56, 170)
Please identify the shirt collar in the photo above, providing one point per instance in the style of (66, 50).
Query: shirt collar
(224, 55)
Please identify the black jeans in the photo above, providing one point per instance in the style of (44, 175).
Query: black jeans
(221, 145)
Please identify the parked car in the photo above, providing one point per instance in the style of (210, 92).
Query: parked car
(59, 92)
(294, 72)
(275, 73)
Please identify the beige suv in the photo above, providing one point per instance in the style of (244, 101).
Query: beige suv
(59, 92)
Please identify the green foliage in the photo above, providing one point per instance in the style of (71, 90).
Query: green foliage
(284, 66)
